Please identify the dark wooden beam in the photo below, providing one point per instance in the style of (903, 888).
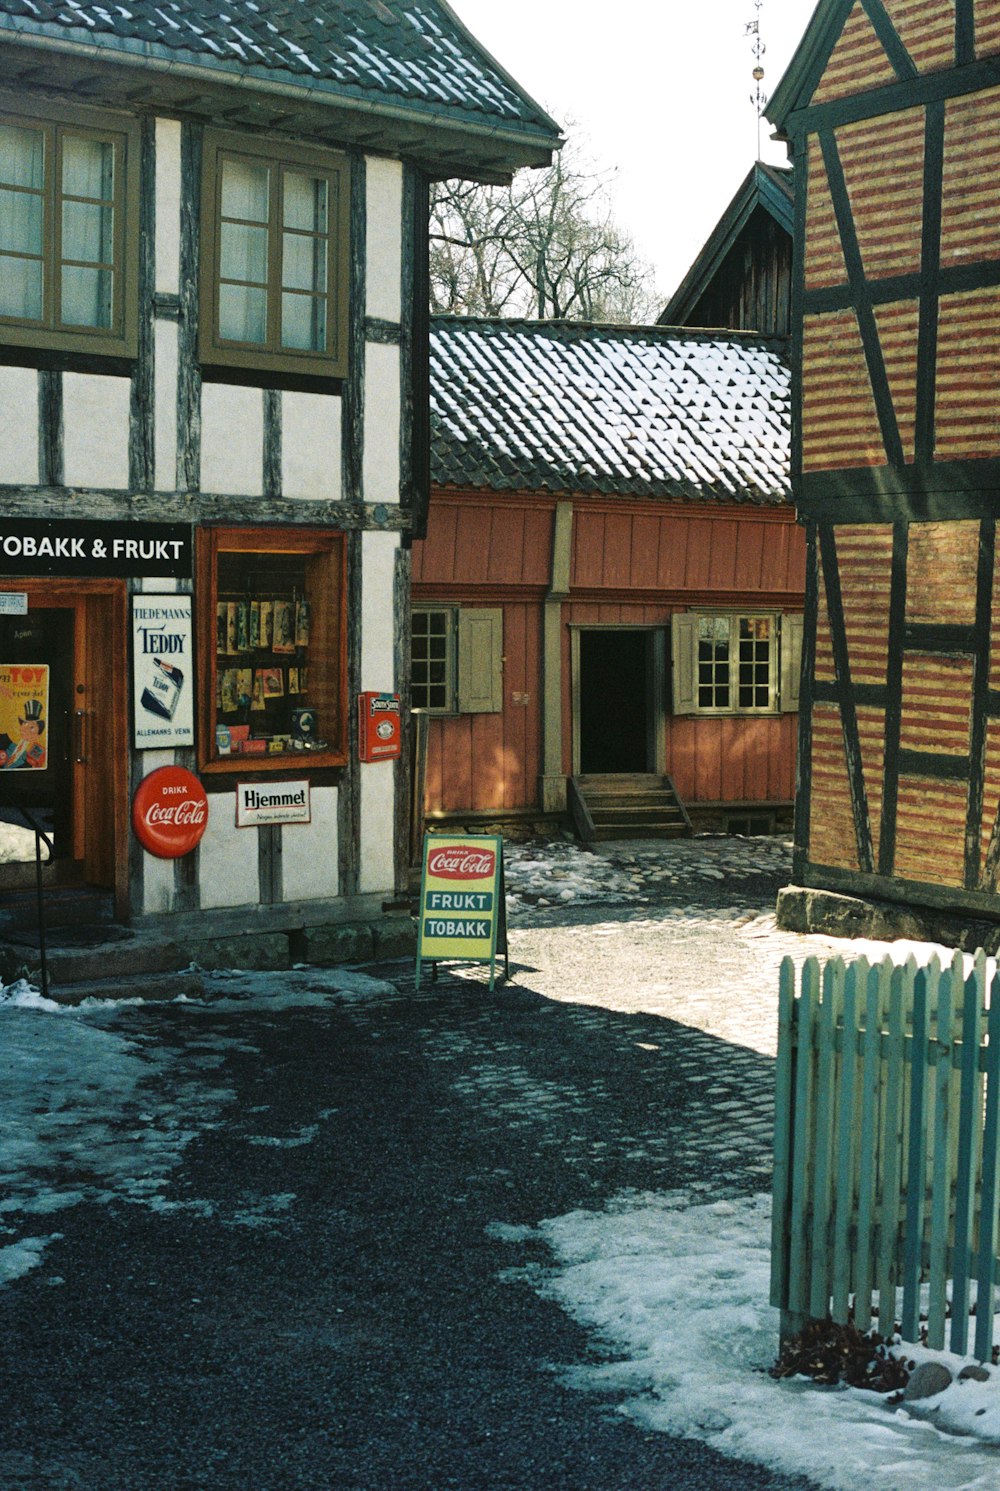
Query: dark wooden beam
(848, 712)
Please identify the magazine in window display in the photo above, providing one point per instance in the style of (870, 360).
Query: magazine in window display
(257, 696)
(266, 624)
(232, 625)
(222, 627)
(302, 623)
(254, 625)
(229, 701)
(293, 681)
(244, 687)
(284, 627)
(242, 626)
(274, 684)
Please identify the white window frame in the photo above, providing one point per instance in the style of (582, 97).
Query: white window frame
(784, 661)
(474, 660)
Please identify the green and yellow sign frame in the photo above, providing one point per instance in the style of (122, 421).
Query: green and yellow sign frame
(463, 909)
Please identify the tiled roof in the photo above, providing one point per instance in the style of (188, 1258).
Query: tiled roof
(558, 406)
(411, 54)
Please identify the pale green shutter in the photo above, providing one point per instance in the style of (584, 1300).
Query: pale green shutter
(684, 659)
(480, 661)
(791, 662)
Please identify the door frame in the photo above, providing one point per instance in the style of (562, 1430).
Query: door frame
(656, 687)
(62, 592)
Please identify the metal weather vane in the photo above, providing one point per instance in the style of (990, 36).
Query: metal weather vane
(758, 97)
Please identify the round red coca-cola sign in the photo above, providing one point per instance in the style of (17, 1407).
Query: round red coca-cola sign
(169, 812)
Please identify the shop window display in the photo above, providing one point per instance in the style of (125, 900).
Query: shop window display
(273, 654)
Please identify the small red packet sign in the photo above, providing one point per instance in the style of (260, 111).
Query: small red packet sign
(378, 726)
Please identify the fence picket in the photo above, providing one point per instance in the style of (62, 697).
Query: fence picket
(986, 1262)
(891, 1166)
(854, 979)
(783, 1100)
(868, 1157)
(887, 1146)
(826, 1032)
(965, 1177)
(924, 993)
(941, 1184)
(802, 1137)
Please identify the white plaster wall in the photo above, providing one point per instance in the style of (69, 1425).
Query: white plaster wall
(383, 269)
(377, 816)
(19, 426)
(227, 864)
(310, 446)
(95, 430)
(232, 440)
(309, 851)
(382, 415)
(165, 406)
(168, 206)
(378, 563)
(157, 874)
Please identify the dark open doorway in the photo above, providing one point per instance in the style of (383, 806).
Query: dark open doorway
(615, 672)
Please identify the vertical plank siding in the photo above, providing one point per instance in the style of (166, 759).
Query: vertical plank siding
(886, 1133)
(632, 563)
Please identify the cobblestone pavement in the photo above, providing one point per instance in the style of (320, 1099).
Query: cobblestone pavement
(326, 1292)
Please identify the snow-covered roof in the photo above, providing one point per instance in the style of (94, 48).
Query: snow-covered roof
(395, 58)
(561, 406)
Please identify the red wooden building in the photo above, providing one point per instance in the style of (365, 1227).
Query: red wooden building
(892, 108)
(611, 581)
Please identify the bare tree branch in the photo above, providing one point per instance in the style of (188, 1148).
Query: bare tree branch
(547, 246)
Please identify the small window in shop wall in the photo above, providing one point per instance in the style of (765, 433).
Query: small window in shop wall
(457, 660)
(731, 662)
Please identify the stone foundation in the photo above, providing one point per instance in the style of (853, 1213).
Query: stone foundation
(801, 909)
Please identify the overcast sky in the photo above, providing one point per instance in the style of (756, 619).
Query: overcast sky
(660, 89)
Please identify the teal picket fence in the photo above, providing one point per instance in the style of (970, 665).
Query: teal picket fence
(886, 1153)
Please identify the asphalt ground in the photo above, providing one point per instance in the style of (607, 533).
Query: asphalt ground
(375, 1333)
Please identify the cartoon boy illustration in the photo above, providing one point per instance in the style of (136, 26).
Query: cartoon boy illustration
(29, 750)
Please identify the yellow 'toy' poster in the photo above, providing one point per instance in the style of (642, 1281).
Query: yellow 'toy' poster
(462, 905)
(24, 713)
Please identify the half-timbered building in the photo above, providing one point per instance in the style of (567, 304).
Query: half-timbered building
(213, 375)
(892, 108)
(607, 601)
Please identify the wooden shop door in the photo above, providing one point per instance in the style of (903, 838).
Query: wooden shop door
(64, 743)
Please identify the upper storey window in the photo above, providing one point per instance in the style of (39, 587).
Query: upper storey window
(275, 262)
(65, 195)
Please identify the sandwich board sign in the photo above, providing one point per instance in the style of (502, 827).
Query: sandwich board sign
(463, 914)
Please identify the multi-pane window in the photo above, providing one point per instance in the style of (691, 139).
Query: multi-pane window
(432, 660)
(63, 201)
(275, 232)
(736, 660)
